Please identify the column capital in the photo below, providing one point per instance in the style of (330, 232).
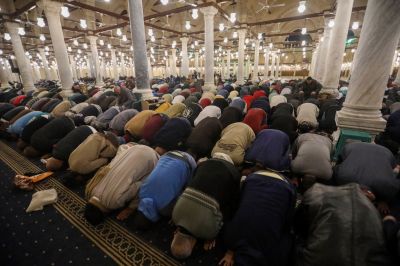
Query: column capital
(50, 7)
(12, 27)
(173, 50)
(209, 11)
(242, 33)
(92, 37)
(184, 39)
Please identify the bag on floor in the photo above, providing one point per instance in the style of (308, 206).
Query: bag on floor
(26, 182)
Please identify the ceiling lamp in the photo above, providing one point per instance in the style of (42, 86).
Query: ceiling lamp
(196, 43)
(303, 31)
(253, 44)
(235, 34)
(246, 41)
(69, 49)
(173, 44)
(64, 11)
(27, 53)
(166, 53)
(119, 32)
(124, 39)
(46, 53)
(283, 54)
(76, 42)
(271, 45)
(232, 17)
(21, 31)
(164, 2)
(107, 1)
(101, 42)
(225, 39)
(42, 38)
(152, 50)
(7, 36)
(221, 27)
(259, 36)
(109, 46)
(46, 48)
(355, 25)
(1, 52)
(83, 23)
(150, 32)
(304, 49)
(152, 38)
(331, 23)
(40, 22)
(187, 25)
(303, 42)
(195, 13)
(353, 50)
(192, 46)
(131, 48)
(302, 6)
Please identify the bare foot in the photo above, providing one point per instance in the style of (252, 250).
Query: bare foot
(227, 260)
(209, 244)
(124, 214)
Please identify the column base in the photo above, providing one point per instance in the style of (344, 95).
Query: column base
(208, 86)
(146, 93)
(65, 93)
(333, 92)
(239, 82)
(359, 120)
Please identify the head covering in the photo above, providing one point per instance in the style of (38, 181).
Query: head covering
(204, 136)
(208, 95)
(173, 134)
(233, 94)
(163, 107)
(197, 95)
(230, 115)
(270, 149)
(308, 113)
(244, 91)
(167, 97)
(135, 125)
(175, 110)
(235, 139)
(262, 104)
(223, 93)
(204, 102)
(191, 112)
(277, 99)
(248, 99)
(176, 92)
(153, 125)
(209, 111)
(190, 99)
(185, 93)
(256, 118)
(257, 94)
(286, 90)
(239, 104)
(61, 108)
(285, 123)
(221, 103)
(178, 99)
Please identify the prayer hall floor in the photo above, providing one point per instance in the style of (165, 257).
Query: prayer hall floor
(59, 234)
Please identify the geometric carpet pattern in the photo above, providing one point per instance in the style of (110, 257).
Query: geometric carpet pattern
(118, 243)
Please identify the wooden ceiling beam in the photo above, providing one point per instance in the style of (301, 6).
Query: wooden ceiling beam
(23, 9)
(177, 10)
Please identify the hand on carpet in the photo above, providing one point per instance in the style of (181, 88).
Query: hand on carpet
(124, 214)
(227, 260)
(383, 208)
(209, 244)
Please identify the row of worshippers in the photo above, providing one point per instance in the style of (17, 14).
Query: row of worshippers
(189, 154)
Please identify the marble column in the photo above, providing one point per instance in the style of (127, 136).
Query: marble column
(174, 71)
(167, 67)
(273, 57)
(150, 70)
(196, 62)
(394, 62)
(95, 60)
(241, 46)
(52, 10)
(324, 46)
(378, 40)
(314, 61)
(337, 43)
(278, 66)
(123, 67)
(139, 48)
(114, 65)
(228, 64)
(256, 60)
(23, 63)
(73, 67)
(45, 63)
(185, 58)
(266, 63)
(3, 76)
(209, 13)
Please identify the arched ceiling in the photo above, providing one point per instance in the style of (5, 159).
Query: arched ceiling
(168, 22)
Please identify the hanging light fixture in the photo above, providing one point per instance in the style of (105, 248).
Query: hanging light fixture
(192, 46)
(83, 23)
(107, 1)
(355, 25)
(150, 32)
(1, 52)
(152, 38)
(119, 32)
(27, 53)
(7, 36)
(196, 43)
(46, 48)
(259, 36)
(253, 44)
(109, 46)
(76, 42)
(331, 23)
(302, 6)
(187, 25)
(124, 39)
(164, 2)
(195, 13)
(304, 49)
(232, 17)
(166, 53)
(46, 53)
(303, 42)
(303, 30)
(246, 41)
(131, 48)
(85, 46)
(42, 38)
(101, 42)
(40, 22)
(221, 27)
(173, 44)
(69, 49)
(225, 39)
(353, 50)
(65, 11)
(235, 34)
(21, 31)
(271, 45)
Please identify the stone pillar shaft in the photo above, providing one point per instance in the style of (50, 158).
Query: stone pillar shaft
(378, 40)
(266, 63)
(45, 63)
(241, 46)
(174, 71)
(324, 46)
(114, 64)
(185, 58)
(209, 13)
(256, 60)
(273, 57)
